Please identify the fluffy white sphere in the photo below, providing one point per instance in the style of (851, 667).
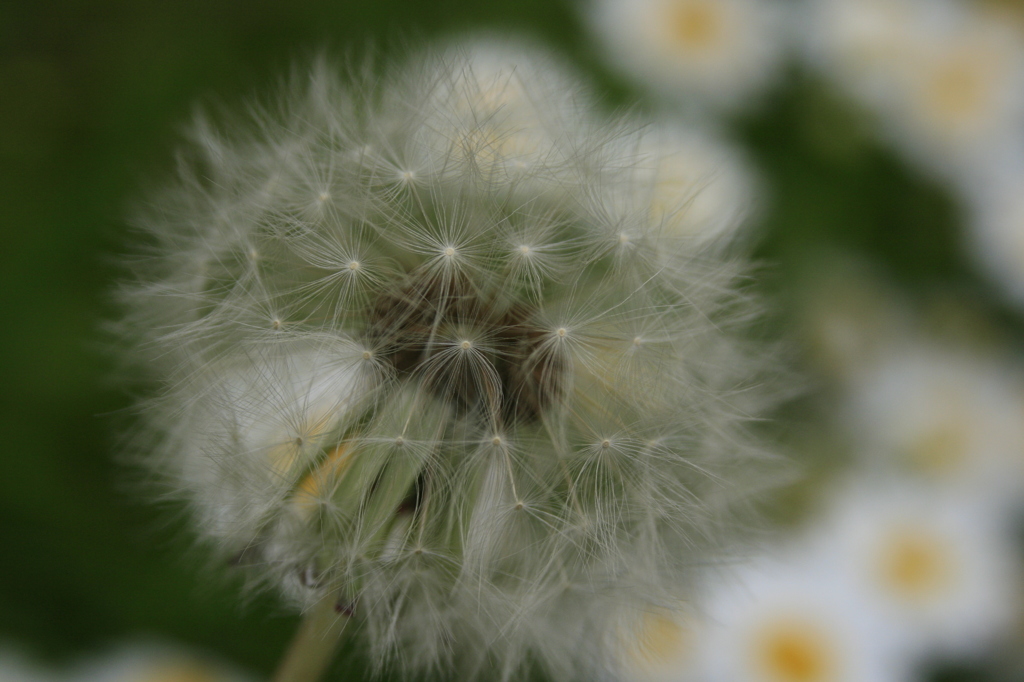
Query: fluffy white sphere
(426, 350)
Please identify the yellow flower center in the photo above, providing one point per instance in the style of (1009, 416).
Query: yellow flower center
(794, 651)
(914, 566)
(961, 88)
(696, 24)
(320, 483)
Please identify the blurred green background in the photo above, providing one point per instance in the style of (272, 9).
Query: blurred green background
(92, 96)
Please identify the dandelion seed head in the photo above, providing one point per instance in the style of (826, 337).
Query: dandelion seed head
(484, 424)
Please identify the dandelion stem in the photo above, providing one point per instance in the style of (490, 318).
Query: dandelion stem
(313, 646)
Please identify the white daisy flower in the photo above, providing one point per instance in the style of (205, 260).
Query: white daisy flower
(858, 42)
(694, 187)
(996, 227)
(658, 644)
(788, 621)
(949, 417)
(936, 570)
(945, 79)
(963, 93)
(150, 663)
(713, 53)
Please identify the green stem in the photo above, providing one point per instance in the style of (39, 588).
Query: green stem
(314, 644)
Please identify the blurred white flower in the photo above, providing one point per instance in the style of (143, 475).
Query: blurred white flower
(135, 662)
(659, 644)
(944, 78)
(996, 227)
(16, 667)
(950, 417)
(786, 620)
(690, 186)
(963, 93)
(151, 663)
(860, 43)
(701, 188)
(850, 318)
(937, 571)
(705, 53)
(494, 120)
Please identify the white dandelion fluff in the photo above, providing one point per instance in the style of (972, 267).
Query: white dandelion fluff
(424, 355)
(708, 53)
